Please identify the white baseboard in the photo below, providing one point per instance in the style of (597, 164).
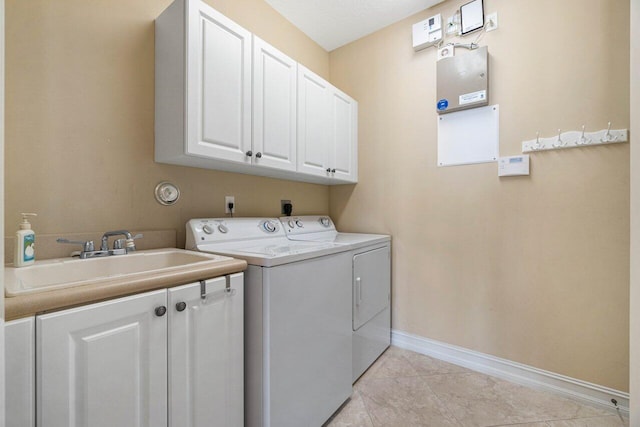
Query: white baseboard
(513, 371)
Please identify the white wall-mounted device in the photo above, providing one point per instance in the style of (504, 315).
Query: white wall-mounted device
(427, 33)
(514, 165)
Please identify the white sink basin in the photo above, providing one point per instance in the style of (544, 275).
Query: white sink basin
(68, 272)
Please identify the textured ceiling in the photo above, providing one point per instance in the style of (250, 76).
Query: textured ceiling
(334, 23)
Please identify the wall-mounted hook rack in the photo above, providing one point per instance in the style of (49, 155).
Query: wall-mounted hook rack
(574, 139)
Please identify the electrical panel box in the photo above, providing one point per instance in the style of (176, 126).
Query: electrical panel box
(463, 81)
(427, 33)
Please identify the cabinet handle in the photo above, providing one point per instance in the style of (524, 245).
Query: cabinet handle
(333, 171)
(249, 153)
(181, 306)
(358, 291)
(258, 155)
(328, 170)
(160, 311)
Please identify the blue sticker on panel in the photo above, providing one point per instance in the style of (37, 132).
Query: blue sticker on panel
(443, 104)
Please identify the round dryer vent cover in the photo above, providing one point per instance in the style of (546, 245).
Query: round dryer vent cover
(167, 193)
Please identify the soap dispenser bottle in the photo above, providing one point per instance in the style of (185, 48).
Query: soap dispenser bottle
(25, 253)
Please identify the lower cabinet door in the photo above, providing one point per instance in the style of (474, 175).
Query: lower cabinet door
(20, 382)
(104, 364)
(206, 354)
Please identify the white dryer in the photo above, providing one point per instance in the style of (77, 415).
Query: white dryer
(371, 283)
(298, 340)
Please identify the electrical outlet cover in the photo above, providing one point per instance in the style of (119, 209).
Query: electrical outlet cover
(227, 200)
(491, 22)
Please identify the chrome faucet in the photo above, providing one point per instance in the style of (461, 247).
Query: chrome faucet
(88, 249)
(130, 246)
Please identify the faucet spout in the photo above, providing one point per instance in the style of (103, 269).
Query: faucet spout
(104, 246)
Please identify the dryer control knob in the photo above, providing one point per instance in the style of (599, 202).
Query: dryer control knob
(207, 229)
(298, 223)
(291, 223)
(223, 228)
(325, 221)
(269, 226)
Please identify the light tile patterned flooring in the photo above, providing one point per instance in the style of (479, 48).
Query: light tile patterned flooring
(404, 389)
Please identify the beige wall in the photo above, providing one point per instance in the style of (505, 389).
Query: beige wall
(79, 113)
(532, 269)
(635, 216)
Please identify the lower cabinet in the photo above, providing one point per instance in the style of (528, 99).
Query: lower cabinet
(20, 381)
(172, 357)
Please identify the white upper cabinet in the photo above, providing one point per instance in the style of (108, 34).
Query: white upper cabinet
(227, 100)
(313, 118)
(203, 86)
(274, 107)
(218, 85)
(343, 140)
(327, 129)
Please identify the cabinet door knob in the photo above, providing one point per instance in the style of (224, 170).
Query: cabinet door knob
(181, 306)
(258, 154)
(249, 153)
(160, 311)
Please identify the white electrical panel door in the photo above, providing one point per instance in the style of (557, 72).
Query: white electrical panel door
(206, 354)
(104, 364)
(469, 136)
(313, 119)
(274, 107)
(218, 85)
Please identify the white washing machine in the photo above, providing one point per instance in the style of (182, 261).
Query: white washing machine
(371, 283)
(298, 317)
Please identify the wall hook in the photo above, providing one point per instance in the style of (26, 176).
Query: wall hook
(607, 136)
(559, 143)
(583, 140)
(538, 145)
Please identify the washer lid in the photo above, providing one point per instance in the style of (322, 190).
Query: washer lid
(274, 251)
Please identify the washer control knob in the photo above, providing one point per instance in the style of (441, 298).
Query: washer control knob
(269, 227)
(222, 228)
(207, 229)
(298, 223)
(291, 223)
(325, 221)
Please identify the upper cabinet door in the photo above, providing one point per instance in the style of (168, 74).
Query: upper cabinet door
(104, 364)
(313, 119)
(206, 354)
(343, 146)
(274, 107)
(218, 109)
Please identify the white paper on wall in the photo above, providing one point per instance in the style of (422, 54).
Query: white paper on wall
(469, 136)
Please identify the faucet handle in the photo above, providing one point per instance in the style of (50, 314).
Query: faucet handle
(130, 244)
(86, 246)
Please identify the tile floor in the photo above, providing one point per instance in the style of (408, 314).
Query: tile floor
(404, 389)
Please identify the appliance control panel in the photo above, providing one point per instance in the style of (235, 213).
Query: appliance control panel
(216, 230)
(307, 224)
